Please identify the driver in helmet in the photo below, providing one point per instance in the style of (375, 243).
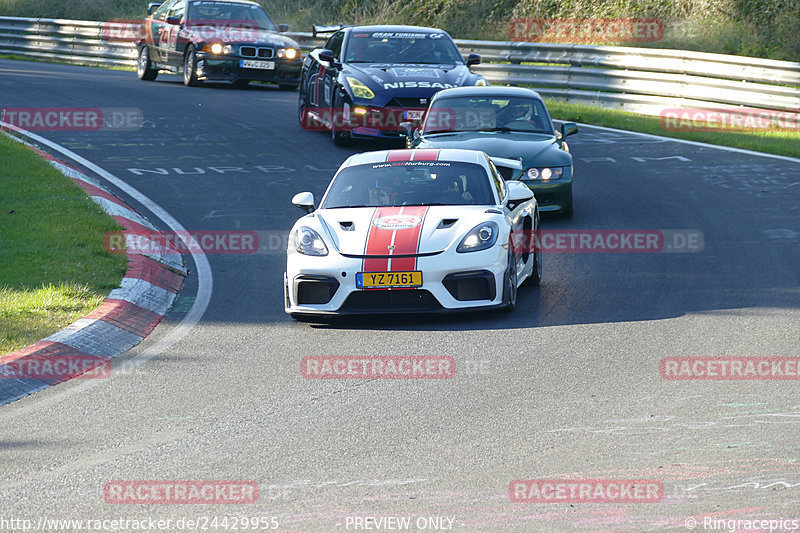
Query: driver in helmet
(521, 112)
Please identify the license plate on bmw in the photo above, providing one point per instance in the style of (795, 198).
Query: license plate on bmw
(372, 280)
(254, 63)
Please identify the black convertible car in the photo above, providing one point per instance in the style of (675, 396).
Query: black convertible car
(369, 79)
(216, 40)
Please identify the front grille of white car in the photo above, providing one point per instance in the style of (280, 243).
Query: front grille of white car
(405, 301)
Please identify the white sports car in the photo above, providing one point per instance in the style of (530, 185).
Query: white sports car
(402, 231)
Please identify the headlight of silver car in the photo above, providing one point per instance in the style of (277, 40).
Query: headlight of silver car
(542, 174)
(480, 237)
(308, 242)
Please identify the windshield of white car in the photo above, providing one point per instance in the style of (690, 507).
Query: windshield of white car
(400, 183)
(228, 15)
(401, 47)
(487, 114)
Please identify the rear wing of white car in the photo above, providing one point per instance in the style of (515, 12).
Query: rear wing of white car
(515, 164)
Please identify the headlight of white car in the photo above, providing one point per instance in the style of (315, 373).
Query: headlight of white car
(480, 237)
(308, 242)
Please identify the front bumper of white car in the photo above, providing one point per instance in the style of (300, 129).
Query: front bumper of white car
(451, 281)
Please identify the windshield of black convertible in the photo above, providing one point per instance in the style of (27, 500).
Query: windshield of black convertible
(228, 14)
(401, 47)
(489, 113)
(401, 183)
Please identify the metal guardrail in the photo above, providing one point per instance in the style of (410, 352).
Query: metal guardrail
(644, 80)
(74, 41)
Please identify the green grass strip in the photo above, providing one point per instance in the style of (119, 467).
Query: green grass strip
(769, 141)
(53, 267)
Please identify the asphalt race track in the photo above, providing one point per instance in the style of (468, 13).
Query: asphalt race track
(568, 386)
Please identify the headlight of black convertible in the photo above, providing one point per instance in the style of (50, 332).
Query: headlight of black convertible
(542, 174)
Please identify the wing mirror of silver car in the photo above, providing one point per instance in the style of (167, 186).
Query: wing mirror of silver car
(305, 201)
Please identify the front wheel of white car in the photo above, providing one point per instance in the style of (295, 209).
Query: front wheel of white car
(536, 270)
(510, 281)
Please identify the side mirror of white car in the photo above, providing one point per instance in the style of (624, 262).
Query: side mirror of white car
(518, 192)
(305, 201)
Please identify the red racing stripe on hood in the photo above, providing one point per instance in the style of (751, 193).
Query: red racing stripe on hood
(426, 154)
(399, 155)
(394, 231)
(406, 241)
(378, 241)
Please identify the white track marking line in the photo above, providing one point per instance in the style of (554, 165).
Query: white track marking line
(205, 281)
(692, 143)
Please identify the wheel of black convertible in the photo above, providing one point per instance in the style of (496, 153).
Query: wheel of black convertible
(510, 281)
(536, 272)
(340, 138)
(144, 68)
(189, 66)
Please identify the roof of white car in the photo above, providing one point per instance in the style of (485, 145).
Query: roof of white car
(424, 154)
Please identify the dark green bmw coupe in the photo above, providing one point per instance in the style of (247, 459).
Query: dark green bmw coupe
(504, 122)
